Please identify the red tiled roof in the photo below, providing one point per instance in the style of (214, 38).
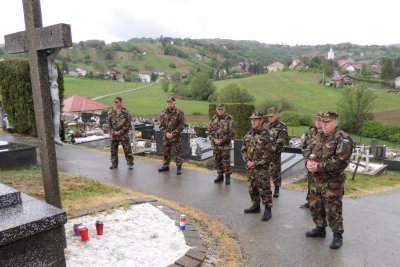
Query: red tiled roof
(77, 103)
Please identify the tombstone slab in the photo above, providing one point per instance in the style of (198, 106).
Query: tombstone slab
(17, 156)
(31, 231)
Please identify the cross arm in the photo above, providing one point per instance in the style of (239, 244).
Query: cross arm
(56, 36)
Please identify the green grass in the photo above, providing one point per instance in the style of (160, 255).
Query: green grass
(151, 101)
(303, 91)
(363, 184)
(93, 88)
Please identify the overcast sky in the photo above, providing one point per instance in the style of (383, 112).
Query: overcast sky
(279, 21)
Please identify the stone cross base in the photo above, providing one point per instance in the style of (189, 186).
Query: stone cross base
(31, 231)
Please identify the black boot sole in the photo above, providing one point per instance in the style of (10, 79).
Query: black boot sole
(252, 211)
(313, 235)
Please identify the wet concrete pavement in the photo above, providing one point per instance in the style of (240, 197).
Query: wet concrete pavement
(372, 224)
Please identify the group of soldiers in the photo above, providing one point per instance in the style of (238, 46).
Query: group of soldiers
(326, 149)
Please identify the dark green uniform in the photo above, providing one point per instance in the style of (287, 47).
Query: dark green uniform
(327, 184)
(172, 121)
(259, 146)
(308, 142)
(120, 121)
(221, 127)
(281, 136)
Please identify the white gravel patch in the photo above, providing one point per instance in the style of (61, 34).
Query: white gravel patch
(141, 235)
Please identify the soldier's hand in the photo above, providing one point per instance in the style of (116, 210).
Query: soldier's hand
(250, 164)
(312, 166)
(169, 135)
(217, 141)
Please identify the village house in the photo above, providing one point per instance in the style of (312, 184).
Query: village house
(81, 72)
(397, 83)
(120, 78)
(341, 80)
(144, 54)
(145, 76)
(331, 54)
(375, 69)
(297, 64)
(276, 66)
(109, 75)
(198, 56)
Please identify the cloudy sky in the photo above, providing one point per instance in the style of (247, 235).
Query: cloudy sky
(279, 21)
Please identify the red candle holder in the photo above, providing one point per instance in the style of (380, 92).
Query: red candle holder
(99, 227)
(84, 233)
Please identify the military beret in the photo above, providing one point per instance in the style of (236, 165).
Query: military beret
(271, 112)
(329, 116)
(256, 115)
(319, 115)
(170, 99)
(220, 105)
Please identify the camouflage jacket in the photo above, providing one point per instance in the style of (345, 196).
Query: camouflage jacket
(259, 146)
(280, 133)
(333, 154)
(221, 128)
(119, 121)
(172, 121)
(308, 140)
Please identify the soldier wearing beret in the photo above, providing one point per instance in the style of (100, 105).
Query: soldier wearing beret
(220, 132)
(333, 154)
(281, 136)
(172, 122)
(308, 141)
(258, 151)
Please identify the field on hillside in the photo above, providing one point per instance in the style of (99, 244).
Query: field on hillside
(299, 88)
(92, 88)
(303, 91)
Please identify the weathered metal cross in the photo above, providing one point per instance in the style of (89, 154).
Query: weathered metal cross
(36, 40)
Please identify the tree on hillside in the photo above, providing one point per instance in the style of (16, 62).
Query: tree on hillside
(232, 93)
(201, 86)
(165, 85)
(64, 66)
(387, 72)
(355, 107)
(365, 72)
(154, 77)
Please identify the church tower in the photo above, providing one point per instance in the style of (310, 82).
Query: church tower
(331, 54)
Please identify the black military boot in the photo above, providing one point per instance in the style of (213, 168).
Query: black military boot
(179, 170)
(255, 208)
(219, 179)
(267, 214)
(276, 192)
(164, 168)
(316, 232)
(305, 206)
(227, 179)
(113, 166)
(337, 241)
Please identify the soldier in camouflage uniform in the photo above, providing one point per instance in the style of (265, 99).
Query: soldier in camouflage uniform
(119, 122)
(220, 131)
(309, 140)
(258, 150)
(172, 122)
(333, 153)
(282, 138)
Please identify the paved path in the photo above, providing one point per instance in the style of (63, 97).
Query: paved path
(372, 224)
(122, 92)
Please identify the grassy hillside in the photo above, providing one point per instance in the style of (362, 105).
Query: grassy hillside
(299, 88)
(303, 91)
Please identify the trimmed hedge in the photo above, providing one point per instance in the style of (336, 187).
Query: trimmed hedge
(240, 114)
(16, 91)
(376, 129)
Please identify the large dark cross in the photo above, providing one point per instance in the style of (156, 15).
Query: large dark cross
(36, 40)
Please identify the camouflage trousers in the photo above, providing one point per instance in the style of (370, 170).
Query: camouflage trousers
(260, 186)
(126, 145)
(176, 147)
(222, 160)
(326, 203)
(308, 177)
(275, 170)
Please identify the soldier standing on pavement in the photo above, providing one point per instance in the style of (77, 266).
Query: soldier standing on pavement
(308, 141)
(282, 138)
(172, 122)
(220, 131)
(258, 150)
(333, 154)
(119, 122)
